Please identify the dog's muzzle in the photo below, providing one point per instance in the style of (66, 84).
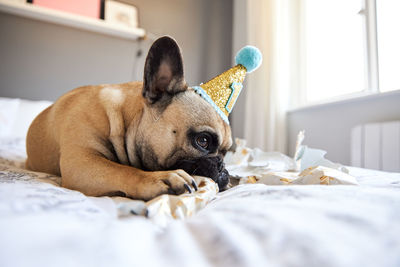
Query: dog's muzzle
(212, 167)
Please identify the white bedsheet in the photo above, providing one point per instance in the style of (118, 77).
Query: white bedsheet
(42, 224)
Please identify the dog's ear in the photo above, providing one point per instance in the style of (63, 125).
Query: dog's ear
(163, 71)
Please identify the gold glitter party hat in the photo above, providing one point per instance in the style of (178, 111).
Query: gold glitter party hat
(222, 91)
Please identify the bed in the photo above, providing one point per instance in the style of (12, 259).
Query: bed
(43, 224)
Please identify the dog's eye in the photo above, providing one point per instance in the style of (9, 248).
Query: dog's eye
(203, 140)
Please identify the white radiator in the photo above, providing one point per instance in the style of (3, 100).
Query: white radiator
(376, 146)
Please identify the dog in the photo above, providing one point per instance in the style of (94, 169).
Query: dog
(137, 139)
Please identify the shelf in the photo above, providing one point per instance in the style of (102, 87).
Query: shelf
(71, 20)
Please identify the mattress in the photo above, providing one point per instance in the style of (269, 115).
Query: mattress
(43, 224)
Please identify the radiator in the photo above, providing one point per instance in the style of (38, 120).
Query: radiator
(376, 146)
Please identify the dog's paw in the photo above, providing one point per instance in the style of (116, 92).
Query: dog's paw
(174, 182)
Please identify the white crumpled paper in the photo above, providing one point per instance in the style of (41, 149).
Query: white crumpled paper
(166, 207)
(308, 166)
(324, 175)
(306, 157)
(247, 162)
(312, 175)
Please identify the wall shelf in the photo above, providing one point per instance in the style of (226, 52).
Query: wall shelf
(71, 20)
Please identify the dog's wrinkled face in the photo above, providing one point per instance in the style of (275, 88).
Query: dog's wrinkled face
(179, 129)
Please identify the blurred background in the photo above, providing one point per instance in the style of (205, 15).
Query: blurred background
(330, 66)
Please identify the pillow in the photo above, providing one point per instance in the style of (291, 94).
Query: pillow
(16, 115)
(8, 114)
(27, 112)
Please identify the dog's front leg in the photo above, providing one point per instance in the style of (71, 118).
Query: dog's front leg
(89, 172)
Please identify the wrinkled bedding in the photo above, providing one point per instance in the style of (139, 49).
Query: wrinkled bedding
(43, 224)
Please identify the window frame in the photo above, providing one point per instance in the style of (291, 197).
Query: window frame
(371, 38)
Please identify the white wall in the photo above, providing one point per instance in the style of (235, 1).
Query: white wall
(43, 61)
(328, 126)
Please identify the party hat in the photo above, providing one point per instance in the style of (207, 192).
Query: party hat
(222, 91)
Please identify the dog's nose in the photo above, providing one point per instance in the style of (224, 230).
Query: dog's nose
(212, 167)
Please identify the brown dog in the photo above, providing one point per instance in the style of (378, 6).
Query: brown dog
(132, 139)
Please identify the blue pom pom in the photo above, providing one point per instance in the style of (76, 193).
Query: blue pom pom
(250, 57)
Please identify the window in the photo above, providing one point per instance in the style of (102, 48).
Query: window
(388, 23)
(350, 46)
(334, 48)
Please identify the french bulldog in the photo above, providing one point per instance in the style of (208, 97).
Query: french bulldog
(137, 139)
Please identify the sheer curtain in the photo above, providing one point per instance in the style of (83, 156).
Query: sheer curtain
(273, 27)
